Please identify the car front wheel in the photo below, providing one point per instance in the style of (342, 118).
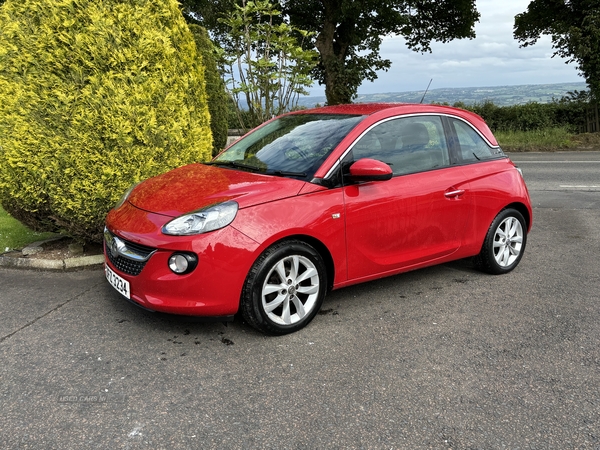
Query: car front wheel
(504, 243)
(285, 288)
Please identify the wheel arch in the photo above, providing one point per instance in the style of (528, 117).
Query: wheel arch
(523, 210)
(319, 246)
(509, 251)
(480, 232)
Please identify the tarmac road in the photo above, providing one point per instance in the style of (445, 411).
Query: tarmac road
(439, 358)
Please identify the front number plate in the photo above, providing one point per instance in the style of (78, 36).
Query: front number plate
(121, 285)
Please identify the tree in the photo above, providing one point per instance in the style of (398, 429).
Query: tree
(208, 13)
(348, 33)
(265, 63)
(574, 27)
(216, 94)
(94, 96)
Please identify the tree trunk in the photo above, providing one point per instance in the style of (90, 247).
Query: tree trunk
(332, 57)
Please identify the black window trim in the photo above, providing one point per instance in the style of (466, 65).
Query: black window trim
(452, 141)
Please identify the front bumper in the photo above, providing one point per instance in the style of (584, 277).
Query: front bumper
(213, 289)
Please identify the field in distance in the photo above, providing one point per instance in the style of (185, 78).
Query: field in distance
(500, 95)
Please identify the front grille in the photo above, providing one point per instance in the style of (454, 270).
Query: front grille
(125, 265)
(135, 258)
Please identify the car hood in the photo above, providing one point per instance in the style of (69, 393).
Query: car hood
(196, 186)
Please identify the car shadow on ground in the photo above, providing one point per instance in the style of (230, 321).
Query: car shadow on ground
(401, 286)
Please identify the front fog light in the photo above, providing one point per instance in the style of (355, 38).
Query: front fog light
(182, 263)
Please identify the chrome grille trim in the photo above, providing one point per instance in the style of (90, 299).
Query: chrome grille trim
(128, 257)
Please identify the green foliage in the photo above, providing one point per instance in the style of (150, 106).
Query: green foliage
(264, 60)
(94, 96)
(215, 88)
(538, 126)
(574, 27)
(567, 112)
(349, 34)
(208, 13)
(543, 139)
(237, 116)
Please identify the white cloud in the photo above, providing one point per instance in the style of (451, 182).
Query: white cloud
(493, 58)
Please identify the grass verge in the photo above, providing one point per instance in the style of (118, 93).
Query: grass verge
(547, 140)
(550, 139)
(14, 235)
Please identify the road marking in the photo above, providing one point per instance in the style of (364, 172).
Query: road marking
(578, 186)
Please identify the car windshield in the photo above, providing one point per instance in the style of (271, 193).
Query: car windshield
(290, 146)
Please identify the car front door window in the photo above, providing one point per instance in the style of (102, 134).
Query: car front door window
(408, 145)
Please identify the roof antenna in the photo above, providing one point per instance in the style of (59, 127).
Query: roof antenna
(423, 98)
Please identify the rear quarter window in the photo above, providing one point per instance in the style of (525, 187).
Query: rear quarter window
(471, 145)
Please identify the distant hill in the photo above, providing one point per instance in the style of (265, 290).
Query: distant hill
(500, 95)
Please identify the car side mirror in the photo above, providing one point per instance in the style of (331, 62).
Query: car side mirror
(368, 169)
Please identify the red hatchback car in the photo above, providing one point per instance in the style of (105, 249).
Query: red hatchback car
(317, 200)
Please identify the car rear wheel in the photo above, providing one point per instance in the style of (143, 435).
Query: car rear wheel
(504, 243)
(285, 288)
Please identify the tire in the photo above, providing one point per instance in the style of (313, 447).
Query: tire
(504, 243)
(284, 289)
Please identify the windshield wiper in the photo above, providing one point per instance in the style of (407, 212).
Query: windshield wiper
(235, 164)
(285, 173)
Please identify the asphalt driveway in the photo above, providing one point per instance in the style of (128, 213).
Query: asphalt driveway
(445, 357)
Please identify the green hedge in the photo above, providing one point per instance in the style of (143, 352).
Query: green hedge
(531, 116)
(94, 96)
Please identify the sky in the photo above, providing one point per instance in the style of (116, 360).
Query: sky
(493, 58)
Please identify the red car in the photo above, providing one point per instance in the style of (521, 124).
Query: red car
(318, 200)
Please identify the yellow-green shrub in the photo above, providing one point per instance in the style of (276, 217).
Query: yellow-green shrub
(95, 95)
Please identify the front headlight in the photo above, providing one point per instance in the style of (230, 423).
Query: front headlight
(202, 221)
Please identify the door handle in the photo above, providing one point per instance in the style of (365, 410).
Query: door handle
(455, 193)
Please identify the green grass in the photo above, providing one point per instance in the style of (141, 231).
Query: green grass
(14, 235)
(547, 140)
(551, 139)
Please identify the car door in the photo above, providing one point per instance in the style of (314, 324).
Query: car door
(415, 217)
